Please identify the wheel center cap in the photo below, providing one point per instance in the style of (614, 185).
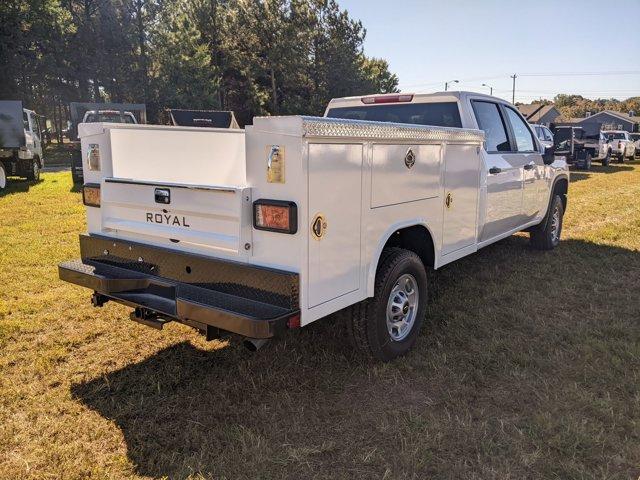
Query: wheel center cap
(405, 308)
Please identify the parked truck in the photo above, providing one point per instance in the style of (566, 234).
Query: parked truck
(82, 112)
(622, 145)
(21, 148)
(271, 228)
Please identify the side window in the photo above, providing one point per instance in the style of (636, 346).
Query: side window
(490, 120)
(522, 134)
(25, 120)
(34, 124)
(547, 135)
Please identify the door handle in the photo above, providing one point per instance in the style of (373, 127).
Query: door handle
(494, 170)
(529, 166)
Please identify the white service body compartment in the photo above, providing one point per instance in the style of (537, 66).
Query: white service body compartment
(355, 175)
(335, 178)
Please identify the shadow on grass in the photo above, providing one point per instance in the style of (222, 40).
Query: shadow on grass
(17, 185)
(304, 407)
(577, 175)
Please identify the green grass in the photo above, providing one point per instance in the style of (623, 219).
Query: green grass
(528, 367)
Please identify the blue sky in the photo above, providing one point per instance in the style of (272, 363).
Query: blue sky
(476, 42)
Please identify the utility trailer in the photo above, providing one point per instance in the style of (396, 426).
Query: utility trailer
(271, 228)
(580, 148)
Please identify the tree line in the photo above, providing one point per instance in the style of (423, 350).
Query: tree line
(255, 57)
(576, 106)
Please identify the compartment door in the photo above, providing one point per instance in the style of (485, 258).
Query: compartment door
(335, 184)
(461, 185)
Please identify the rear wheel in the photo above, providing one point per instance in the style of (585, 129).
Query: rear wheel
(386, 326)
(3, 177)
(587, 162)
(34, 170)
(607, 159)
(546, 236)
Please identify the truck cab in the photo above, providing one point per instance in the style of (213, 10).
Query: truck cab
(515, 179)
(21, 142)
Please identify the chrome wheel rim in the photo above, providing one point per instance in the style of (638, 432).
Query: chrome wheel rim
(3, 178)
(555, 224)
(36, 170)
(402, 307)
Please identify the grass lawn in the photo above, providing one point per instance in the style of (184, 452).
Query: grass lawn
(528, 367)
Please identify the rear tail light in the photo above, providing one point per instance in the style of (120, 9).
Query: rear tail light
(275, 216)
(402, 97)
(91, 194)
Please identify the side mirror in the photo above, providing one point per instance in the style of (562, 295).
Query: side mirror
(549, 155)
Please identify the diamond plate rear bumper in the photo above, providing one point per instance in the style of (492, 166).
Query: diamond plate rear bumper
(196, 290)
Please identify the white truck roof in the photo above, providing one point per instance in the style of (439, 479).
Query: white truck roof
(451, 96)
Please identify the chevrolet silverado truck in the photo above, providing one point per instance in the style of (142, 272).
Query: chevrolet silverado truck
(20, 142)
(622, 145)
(267, 229)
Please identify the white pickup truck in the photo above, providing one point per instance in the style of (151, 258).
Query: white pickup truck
(622, 145)
(271, 228)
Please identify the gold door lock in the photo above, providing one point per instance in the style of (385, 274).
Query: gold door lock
(448, 201)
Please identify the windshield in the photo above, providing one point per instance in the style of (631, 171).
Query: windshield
(615, 136)
(444, 114)
(635, 136)
(108, 117)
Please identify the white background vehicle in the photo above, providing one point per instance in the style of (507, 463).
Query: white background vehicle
(544, 135)
(20, 142)
(129, 113)
(622, 145)
(295, 218)
(108, 116)
(636, 140)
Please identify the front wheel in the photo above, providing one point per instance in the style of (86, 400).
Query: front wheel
(386, 326)
(607, 159)
(3, 177)
(587, 162)
(34, 171)
(546, 236)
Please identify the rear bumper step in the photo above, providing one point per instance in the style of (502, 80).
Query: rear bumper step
(164, 284)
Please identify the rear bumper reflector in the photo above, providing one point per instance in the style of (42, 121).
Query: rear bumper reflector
(247, 300)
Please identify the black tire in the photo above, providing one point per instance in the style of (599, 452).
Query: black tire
(367, 322)
(587, 162)
(546, 236)
(3, 177)
(33, 174)
(74, 176)
(607, 159)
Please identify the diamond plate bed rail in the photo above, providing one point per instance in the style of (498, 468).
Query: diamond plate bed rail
(338, 128)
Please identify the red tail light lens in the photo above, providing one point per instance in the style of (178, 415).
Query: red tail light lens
(275, 216)
(91, 194)
(402, 97)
